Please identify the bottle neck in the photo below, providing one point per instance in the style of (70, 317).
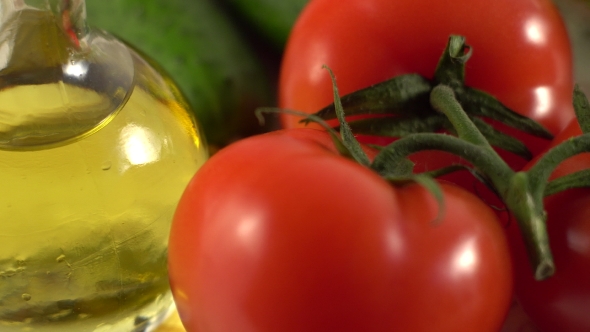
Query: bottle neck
(39, 35)
(71, 16)
(75, 9)
(45, 45)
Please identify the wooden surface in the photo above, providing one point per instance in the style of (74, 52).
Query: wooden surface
(172, 324)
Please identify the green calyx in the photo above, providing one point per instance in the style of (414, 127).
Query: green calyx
(401, 105)
(419, 108)
(393, 165)
(522, 192)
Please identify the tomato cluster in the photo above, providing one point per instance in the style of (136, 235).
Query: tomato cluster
(521, 55)
(285, 231)
(283, 234)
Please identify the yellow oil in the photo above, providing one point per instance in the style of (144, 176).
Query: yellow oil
(84, 224)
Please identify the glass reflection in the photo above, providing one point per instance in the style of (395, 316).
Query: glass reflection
(140, 145)
(76, 70)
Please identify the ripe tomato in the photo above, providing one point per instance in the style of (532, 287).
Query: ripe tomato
(278, 233)
(521, 54)
(517, 320)
(562, 302)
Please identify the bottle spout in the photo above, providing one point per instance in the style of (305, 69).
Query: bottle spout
(71, 14)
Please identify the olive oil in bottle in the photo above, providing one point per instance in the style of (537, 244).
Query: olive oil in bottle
(96, 147)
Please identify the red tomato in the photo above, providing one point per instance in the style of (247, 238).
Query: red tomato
(279, 233)
(562, 302)
(521, 51)
(521, 55)
(517, 320)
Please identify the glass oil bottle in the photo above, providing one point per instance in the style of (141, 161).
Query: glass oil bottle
(96, 147)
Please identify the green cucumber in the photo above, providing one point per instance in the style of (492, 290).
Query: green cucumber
(272, 18)
(196, 43)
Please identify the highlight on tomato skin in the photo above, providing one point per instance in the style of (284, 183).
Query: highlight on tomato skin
(277, 232)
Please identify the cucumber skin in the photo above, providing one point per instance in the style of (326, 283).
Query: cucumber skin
(204, 53)
(272, 18)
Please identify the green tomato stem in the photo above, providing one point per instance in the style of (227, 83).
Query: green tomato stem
(345, 132)
(525, 201)
(580, 179)
(582, 109)
(442, 98)
(450, 69)
(540, 172)
(523, 198)
(387, 162)
(522, 195)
